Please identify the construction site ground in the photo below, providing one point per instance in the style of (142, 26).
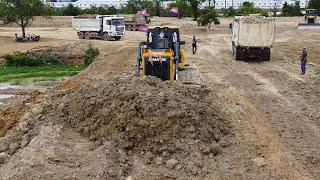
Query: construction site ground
(265, 115)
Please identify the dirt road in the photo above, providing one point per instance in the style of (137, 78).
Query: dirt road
(274, 111)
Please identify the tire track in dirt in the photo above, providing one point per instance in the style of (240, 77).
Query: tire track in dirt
(246, 85)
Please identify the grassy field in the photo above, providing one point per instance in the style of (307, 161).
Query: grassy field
(18, 75)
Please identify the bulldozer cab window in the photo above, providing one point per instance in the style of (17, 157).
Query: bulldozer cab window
(311, 13)
(163, 43)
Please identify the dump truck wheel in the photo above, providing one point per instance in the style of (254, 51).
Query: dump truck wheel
(117, 38)
(87, 35)
(106, 37)
(81, 35)
(129, 28)
(134, 28)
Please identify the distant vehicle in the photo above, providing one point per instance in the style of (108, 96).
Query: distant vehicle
(33, 37)
(133, 22)
(252, 37)
(310, 19)
(29, 37)
(104, 27)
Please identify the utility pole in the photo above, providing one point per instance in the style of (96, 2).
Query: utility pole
(225, 4)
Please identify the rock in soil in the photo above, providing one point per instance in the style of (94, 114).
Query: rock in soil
(158, 160)
(260, 162)
(4, 157)
(4, 144)
(172, 163)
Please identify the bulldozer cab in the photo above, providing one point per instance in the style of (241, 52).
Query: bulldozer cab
(163, 38)
(161, 55)
(311, 12)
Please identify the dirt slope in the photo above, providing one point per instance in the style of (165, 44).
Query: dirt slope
(272, 109)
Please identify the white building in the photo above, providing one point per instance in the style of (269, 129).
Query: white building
(220, 4)
(265, 4)
(88, 3)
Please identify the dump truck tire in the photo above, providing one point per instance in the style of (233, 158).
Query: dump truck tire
(106, 37)
(134, 28)
(129, 28)
(117, 38)
(81, 35)
(87, 35)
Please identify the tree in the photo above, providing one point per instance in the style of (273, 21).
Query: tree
(291, 10)
(195, 8)
(230, 12)
(22, 12)
(157, 5)
(70, 10)
(207, 17)
(314, 4)
(248, 8)
(276, 6)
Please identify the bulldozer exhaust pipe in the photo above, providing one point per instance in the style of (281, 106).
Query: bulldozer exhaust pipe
(177, 58)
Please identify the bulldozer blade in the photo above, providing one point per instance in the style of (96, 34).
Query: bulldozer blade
(305, 26)
(190, 76)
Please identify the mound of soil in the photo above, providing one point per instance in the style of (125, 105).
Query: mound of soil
(67, 54)
(145, 114)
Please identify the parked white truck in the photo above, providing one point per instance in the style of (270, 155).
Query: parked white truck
(252, 37)
(104, 27)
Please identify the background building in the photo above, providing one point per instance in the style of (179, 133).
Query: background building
(220, 4)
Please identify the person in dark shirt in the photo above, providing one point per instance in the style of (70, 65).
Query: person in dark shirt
(304, 61)
(194, 45)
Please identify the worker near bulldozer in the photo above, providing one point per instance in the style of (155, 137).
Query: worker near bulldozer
(304, 61)
(194, 45)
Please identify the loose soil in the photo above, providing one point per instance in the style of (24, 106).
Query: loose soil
(269, 111)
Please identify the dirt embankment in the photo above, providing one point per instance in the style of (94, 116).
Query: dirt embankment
(163, 126)
(272, 109)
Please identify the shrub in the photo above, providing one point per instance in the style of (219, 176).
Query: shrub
(18, 59)
(49, 57)
(91, 54)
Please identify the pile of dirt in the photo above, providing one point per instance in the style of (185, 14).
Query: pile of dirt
(255, 19)
(66, 54)
(145, 114)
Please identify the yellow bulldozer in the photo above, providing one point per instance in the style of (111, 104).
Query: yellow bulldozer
(161, 55)
(310, 19)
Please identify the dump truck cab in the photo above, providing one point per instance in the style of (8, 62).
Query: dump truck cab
(104, 27)
(161, 55)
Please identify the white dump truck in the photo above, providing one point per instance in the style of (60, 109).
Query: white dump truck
(104, 27)
(252, 37)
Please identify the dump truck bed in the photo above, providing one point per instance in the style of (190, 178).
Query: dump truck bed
(86, 24)
(253, 32)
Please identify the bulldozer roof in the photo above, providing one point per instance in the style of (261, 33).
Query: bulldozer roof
(163, 26)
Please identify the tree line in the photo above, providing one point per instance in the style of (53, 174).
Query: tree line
(22, 12)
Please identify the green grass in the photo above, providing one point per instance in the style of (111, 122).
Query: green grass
(17, 75)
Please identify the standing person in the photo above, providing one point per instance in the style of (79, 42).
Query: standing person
(194, 45)
(304, 61)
